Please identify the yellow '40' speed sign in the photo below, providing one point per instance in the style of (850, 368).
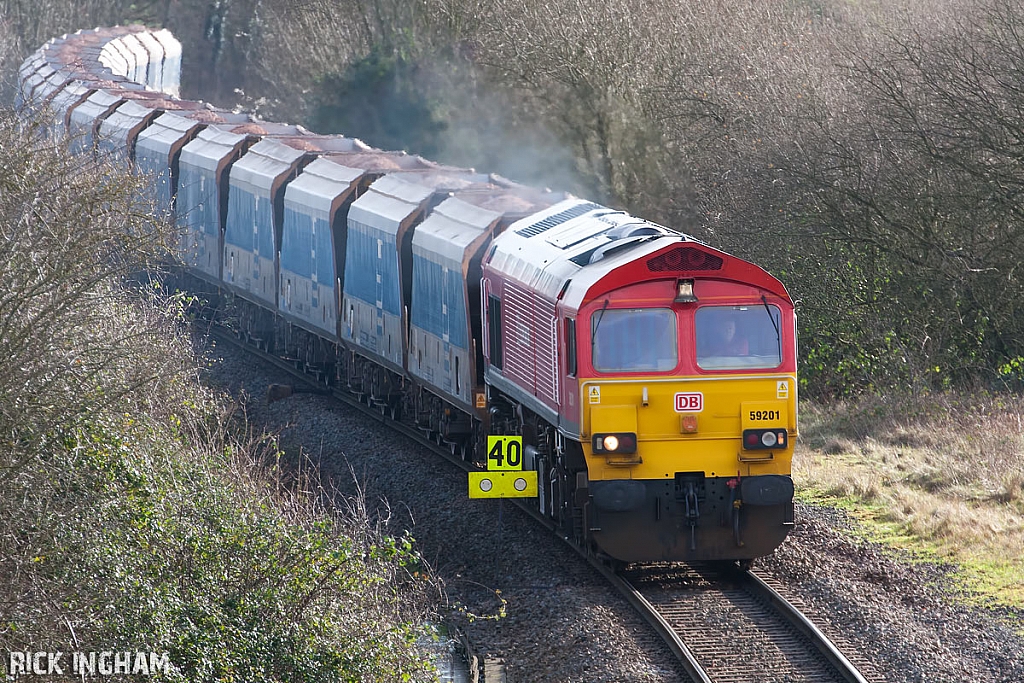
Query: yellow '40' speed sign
(504, 477)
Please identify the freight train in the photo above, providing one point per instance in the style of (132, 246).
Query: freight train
(651, 376)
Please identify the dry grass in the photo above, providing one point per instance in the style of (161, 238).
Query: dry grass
(942, 473)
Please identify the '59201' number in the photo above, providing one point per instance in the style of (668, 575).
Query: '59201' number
(764, 415)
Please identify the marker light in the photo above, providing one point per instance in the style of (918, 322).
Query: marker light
(768, 439)
(610, 443)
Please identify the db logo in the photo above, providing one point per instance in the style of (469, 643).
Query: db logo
(689, 402)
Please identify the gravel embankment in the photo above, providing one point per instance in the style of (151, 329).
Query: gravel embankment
(562, 622)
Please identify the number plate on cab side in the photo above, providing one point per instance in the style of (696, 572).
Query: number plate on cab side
(764, 414)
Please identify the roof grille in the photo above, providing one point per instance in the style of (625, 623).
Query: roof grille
(684, 259)
(555, 219)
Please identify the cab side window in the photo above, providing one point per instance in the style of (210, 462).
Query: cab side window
(570, 347)
(494, 330)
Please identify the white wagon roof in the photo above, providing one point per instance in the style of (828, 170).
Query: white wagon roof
(166, 132)
(114, 57)
(37, 85)
(126, 118)
(319, 184)
(170, 78)
(137, 56)
(33, 63)
(264, 163)
(33, 71)
(388, 202)
(65, 99)
(153, 72)
(210, 147)
(450, 229)
(84, 116)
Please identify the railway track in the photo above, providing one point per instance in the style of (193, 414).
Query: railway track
(737, 628)
(723, 625)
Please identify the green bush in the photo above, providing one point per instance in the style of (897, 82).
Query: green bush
(136, 512)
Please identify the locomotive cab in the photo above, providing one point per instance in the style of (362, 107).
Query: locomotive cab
(687, 390)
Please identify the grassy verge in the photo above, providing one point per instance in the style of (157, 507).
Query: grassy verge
(941, 475)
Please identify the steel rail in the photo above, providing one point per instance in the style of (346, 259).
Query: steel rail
(651, 615)
(805, 626)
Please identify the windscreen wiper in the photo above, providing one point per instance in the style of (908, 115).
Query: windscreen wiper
(778, 336)
(600, 317)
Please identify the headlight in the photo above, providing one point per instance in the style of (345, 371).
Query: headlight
(619, 442)
(760, 439)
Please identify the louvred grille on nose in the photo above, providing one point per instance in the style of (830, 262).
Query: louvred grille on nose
(684, 259)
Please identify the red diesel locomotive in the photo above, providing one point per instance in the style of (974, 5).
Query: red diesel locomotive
(653, 379)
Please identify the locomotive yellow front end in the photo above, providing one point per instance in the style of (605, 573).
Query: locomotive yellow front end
(689, 469)
(688, 397)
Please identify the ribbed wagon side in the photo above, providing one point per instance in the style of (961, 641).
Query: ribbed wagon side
(442, 353)
(313, 244)
(82, 120)
(202, 199)
(255, 214)
(372, 293)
